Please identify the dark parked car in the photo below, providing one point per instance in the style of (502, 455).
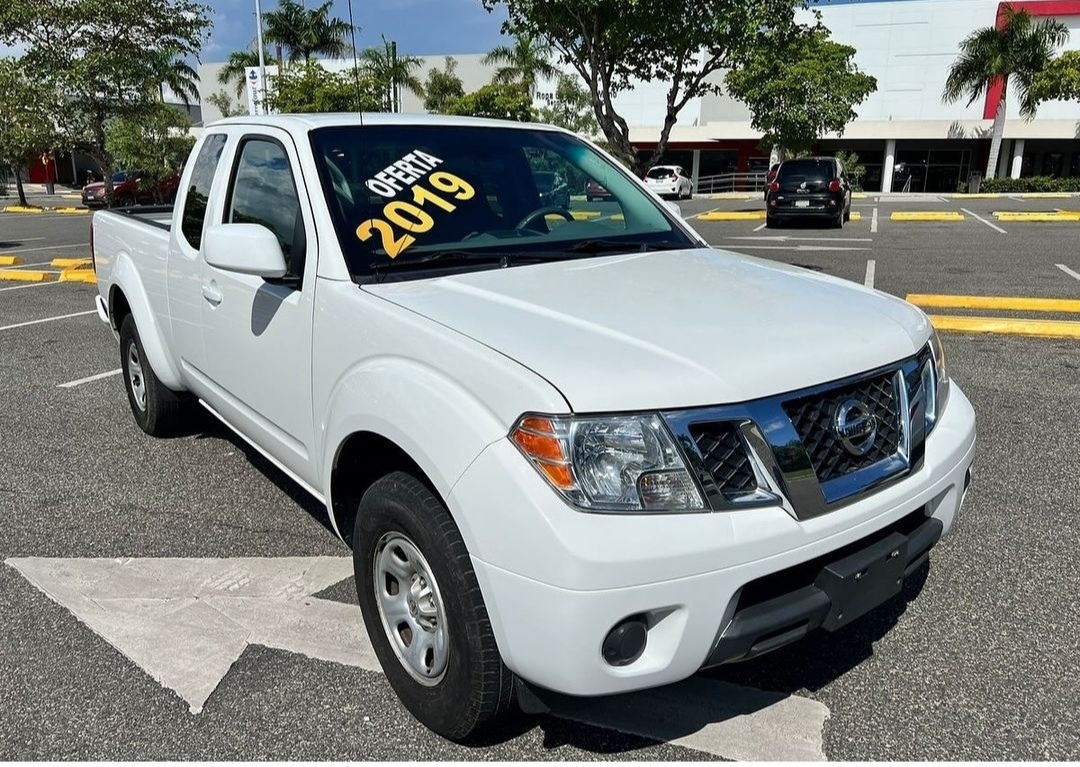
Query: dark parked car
(593, 191)
(552, 188)
(809, 187)
(128, 191)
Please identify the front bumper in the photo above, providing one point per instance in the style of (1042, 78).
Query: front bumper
(553, 577)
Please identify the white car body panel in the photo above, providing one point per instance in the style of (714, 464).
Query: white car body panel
(444, 367)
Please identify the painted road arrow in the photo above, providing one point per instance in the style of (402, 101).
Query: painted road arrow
(186, 621)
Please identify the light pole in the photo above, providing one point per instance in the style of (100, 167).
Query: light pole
(259, 103)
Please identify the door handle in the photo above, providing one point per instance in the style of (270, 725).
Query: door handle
(212, 293)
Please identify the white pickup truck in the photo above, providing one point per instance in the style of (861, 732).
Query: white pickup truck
(569, 445)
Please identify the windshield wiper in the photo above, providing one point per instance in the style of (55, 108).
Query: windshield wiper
(610, 246)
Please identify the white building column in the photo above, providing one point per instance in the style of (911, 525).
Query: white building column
(1018, 158)
(695, 169)
(1003, 158)
(887, 167)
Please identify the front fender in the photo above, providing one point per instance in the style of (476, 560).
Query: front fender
(429, 415)
(125, 277)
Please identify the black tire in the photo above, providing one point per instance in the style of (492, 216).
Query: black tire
(772, 222)
(157, 410)
(475, 690)
(838, 222)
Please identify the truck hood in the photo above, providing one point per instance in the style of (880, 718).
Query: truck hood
(670, 329)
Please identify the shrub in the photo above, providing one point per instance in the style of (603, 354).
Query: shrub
(1031, 184)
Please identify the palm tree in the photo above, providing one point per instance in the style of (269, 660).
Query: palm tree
(172, 71)
(389, 70)
(525, 62)
(236, 67)
(1015, 51)
(306, 32)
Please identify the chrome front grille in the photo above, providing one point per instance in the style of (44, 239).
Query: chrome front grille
(794, 449)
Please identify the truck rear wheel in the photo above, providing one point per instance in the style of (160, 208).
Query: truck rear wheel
(157, 409)
(424, 612)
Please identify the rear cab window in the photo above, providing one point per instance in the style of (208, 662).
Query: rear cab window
(202, 177)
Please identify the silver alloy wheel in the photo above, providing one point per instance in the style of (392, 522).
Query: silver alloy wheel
(411, 608)
(135, 376)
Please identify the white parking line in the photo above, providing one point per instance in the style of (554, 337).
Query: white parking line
(1068, 271)
(759, 228)
(88, 379)
(47, 319)
(49, 247)
(977, 217)
(873, 222)
(25, 266)
(32, 285)
(870, 266)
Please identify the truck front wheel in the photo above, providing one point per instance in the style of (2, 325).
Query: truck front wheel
(157, 409)
(424, 612)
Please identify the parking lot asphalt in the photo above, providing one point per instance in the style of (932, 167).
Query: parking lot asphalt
(977, 660)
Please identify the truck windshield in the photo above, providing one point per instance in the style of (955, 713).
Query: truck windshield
(406, 196)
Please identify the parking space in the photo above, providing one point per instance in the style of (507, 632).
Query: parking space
(981, 665)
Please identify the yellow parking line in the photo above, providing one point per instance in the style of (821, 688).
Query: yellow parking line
(733, 215)
(926, 215)
(78, 275)
(1038, 328)
(995, 302)
(26, 275)
(10, 260)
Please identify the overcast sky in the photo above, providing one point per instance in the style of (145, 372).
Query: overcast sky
(420, 27)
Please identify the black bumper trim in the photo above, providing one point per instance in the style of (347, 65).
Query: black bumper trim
(762, 627)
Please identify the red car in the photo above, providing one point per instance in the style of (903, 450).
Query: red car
(127, 190)
(593, 191)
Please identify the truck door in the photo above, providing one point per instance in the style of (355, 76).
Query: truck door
(257, 332)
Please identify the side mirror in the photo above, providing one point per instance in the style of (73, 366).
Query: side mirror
(244, 248)
(674, 207)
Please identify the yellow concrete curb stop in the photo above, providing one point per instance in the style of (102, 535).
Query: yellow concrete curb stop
(926, 215)
(21, 209)
(26, 275)
(1037, 216)
(1003, 326)
(855, 216)
(928, 300)
(71, 211)
(78, 275)
(733, 215)
(10, 261)
(734, 196)
(69, 263)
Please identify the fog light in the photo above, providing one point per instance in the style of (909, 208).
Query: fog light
(625, 643)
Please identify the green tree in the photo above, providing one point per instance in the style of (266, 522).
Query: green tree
(103, 57)
(855, 169)
(525, 62)
(389, 71)
(1014, 54)
(611, 43)
(226, 105)
(308, 87)
(570, 108)
(27, 128)
(176, 74)
(305, 32)
(800, 86)
(501, 101)
(442, 86)
(1059, 80)
(157, 143)
(235, 70)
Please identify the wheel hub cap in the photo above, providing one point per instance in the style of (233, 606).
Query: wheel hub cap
(135, 376)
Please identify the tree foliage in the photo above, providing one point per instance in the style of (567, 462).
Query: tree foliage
(800, 86)
(106, 59)
(235, 70)
(385, 70)
(27, 128)
(442, 86)
(609, 43)
(525, 62)
(224, 103)
(1059, 80)
(157, 143)
(1014, 53)
(854, 167)
(570, 107)
(305, 32)
(308, 87)
(501, 101)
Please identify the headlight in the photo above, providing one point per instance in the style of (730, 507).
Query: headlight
(935, 382)
(609, 463)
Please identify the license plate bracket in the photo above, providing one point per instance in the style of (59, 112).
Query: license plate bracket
(802, 203)
(861, 581)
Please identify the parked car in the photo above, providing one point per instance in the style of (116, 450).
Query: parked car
(552, 188)
(669, 181)
(809, 187)
(594, 191)
(557, 466)
(128, 190)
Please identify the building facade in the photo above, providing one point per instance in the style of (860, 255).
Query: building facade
(905, 136)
